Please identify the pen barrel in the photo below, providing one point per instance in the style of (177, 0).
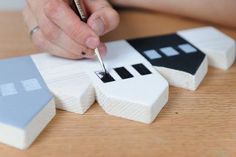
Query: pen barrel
(79, 9)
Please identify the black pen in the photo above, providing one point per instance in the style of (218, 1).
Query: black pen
(80, 11)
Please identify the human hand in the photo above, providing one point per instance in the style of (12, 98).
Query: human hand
(62, 33)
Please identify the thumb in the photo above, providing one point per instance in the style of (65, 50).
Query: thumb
(103, 17)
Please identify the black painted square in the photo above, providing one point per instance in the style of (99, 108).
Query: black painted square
(123, 73)
(105, 77)
(142, 69)
(187, 62)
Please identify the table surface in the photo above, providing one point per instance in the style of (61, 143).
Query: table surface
(200, 123)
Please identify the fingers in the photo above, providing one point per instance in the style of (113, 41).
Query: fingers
(44, 45)
(30, 22)
(103, 17)
(61, 31)
(68, 22)
(55, 35)
(60, 45)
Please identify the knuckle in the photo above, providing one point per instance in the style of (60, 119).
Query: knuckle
(49, 32)
(67, 55)
(78, 32)
(71, 55)
(39, 42)
(52, 8)
(74, 32)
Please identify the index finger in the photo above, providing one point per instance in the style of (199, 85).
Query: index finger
(65, 18)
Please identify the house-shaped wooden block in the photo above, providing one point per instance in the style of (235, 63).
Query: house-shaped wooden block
(181, 63)
(26, 104)
(132, 89)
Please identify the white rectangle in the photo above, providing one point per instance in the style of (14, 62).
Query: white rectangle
(31, 85)
(114, 74)
(132, 71)
(8, 89)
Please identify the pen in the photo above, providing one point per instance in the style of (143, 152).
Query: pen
(79, 8)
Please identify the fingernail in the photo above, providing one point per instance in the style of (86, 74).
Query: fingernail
(92, 42)
(98, 26)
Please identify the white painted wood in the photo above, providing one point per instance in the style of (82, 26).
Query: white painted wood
(76, 85)
(74, 82)
(183, 79)
(140, 98)
(68, 81)
(219, 48)
(23, 138)
(26, 104)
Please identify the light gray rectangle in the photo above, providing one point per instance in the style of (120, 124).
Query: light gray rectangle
(187, 48)
(152, 54)
(169, 51)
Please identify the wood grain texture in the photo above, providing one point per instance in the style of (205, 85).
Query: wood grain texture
(201, 123)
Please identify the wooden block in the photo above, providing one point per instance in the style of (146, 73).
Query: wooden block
(181, 63)
(26, 105)
(219, 48)
(136, 90)
(76, 84)
(68, 81)
(133, 89)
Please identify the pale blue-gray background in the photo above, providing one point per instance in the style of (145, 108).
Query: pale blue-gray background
(12, 4)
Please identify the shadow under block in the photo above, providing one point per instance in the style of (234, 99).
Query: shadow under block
(219, 48)
(181, 63)
(26, 105)
(133, 89)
